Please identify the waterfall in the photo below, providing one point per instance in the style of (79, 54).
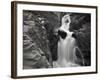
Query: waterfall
(66, 46)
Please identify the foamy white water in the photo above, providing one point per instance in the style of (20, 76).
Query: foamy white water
(66, 52)
(66, 47)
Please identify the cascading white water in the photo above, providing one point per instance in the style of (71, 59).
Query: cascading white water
(66, 46)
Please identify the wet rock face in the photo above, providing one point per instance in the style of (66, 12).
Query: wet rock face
(36, 52)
